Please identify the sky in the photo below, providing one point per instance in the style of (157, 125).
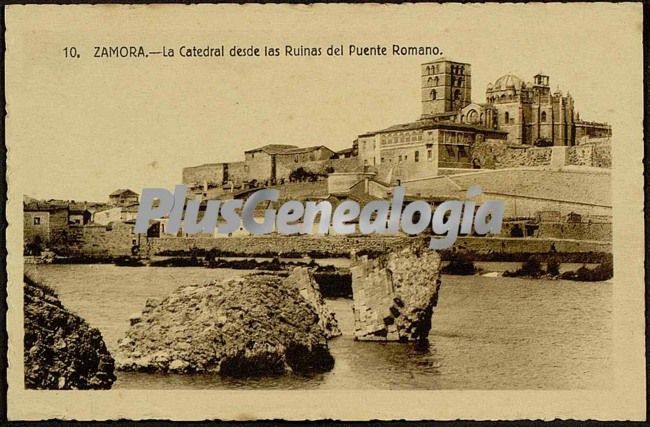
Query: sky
(80, 128)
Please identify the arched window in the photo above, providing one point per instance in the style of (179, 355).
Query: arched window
(543, 116)
(457, 94)
(433, 94)
(462, 70)
(435, 81)
(429, 81)
(506, 117)
(428, 70)
(460, 82)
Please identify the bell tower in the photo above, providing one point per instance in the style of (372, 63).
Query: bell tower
(446, 86)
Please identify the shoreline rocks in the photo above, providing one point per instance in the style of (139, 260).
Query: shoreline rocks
(62, 352)
(252, 325)
(395, 294)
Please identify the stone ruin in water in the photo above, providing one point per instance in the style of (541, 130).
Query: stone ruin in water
(395, 294)
(254, 325)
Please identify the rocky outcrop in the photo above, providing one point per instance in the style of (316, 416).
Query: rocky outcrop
(251, 325)
(61, 351)
(394, 294)
(302, 279)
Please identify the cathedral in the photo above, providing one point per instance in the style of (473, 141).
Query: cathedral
(528, 111)
(515, 113)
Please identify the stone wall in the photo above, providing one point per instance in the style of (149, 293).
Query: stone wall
(497, 155)
(237, 172)
(514, 245)
(596, 155)
(329, 245)
(576, 230)
(96, 240)
(340, 246)
(211, 173)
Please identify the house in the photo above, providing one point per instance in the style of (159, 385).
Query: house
(123, 197)
(116, 214)
(79, 214)
(44, 222)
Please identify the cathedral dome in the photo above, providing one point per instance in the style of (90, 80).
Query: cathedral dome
(508, 81)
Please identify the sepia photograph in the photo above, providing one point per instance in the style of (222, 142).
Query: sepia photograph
(414, 211)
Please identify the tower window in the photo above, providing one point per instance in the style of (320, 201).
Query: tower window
(430, 81)
(457, 94)
(433, 94)
(435, 81)
(417, 156)
(37, 220)
(543, 116)
(429, 154)
(506, 117)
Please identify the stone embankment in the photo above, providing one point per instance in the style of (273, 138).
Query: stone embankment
(256, 324)
(61, 351)
(394, 294)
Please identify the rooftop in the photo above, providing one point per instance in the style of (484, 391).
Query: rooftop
(432, 124)
(272, 148)
(123, 191)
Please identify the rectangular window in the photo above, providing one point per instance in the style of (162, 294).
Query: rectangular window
(429, 154)
(417, 156)
(450, 150)
(399, 159)
(405, 157)
(461, 151)
(37, 220)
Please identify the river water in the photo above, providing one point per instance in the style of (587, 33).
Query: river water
(487, 333)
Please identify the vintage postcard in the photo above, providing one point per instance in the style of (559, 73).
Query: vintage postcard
(349, 212)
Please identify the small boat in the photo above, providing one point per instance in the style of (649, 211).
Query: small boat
(491, 274)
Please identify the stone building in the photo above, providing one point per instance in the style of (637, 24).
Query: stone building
(123, 197)
(267, 164)
(79, 214)
(446, 87)
(44, 222)
(450, 124)
(423, 146)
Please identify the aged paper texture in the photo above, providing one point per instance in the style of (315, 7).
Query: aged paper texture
(527, 117)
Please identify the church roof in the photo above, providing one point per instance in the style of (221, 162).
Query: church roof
(508, 81)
